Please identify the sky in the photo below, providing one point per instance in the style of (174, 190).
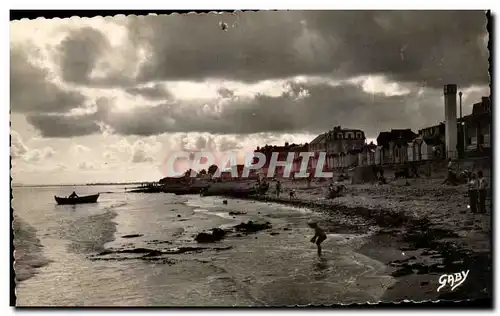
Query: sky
(109, 99)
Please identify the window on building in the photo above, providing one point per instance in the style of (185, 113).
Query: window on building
(339, 135)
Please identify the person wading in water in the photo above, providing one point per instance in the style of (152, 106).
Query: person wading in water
(319, 235)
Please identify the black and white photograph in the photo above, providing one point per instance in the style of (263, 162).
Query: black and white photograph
(251, 158)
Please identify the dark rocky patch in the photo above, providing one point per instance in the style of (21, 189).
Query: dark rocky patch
(151, 255)
(443, 244)
(236, 213)
(132, 236)
(222, 248)
(251, 227)
(274, 233)
(149, 252)
(156, 242)
(215, 235)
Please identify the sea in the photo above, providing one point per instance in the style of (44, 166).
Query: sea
(133, 249)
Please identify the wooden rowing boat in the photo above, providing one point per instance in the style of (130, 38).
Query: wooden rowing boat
(77, 200)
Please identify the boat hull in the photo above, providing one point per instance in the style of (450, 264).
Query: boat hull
(77, 200)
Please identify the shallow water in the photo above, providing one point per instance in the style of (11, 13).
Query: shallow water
(275, 267)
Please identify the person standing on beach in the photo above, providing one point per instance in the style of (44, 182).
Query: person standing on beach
(319, 235)
(472, 190)
(450, 178)
(309, 179)
(482, 186)
(278, 188)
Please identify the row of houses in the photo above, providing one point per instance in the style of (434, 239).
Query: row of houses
(347, 148)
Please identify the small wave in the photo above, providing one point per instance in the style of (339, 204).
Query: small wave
(200, 210)
(28, 252)
(300, 209)
(90, 234)
(224, 215)
(116, 205)
(201, 202)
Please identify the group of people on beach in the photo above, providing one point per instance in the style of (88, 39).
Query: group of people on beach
(477, 189)
(279, 190)
(476, 184)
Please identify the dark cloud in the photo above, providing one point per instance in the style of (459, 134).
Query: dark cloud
(64, 126)
(79, 52)
(321, 108)
(31, 89)
(429, 47)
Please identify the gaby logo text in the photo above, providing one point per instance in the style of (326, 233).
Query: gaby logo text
(453, 280)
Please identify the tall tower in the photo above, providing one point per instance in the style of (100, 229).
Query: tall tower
(450, 116)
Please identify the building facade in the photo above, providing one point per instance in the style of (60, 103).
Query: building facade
(283, 153)
(338, 144)
(393, 146)
(344, 139)
(475, 138)
(477, 128)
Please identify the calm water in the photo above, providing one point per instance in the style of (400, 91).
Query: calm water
(57, 261)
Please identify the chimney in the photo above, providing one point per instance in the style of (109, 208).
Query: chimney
(450, 116)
